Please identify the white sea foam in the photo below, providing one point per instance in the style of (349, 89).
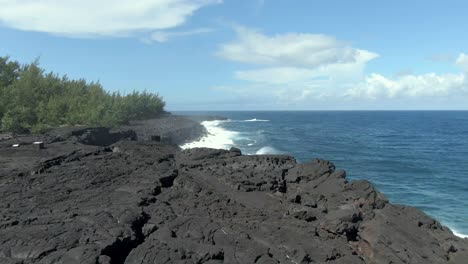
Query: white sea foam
(256, 120)
(218, 137)
(460, 235)
(455, 232)
(267, 150)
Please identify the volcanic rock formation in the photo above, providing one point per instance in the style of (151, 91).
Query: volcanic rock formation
(138, 201)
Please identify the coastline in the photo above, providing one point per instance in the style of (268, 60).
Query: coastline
(215, 137)
(135, 200)
(220, 138)
(458, 234)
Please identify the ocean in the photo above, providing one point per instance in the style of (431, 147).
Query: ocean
(417, 158)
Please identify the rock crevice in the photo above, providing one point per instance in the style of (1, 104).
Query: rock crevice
(144, 202)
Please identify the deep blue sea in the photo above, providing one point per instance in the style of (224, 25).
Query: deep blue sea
(418, 158)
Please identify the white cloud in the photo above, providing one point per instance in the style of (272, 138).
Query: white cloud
(294, 75)
(376, 86)
(87, 18)
(302, 69)
(296, 66)
(289, 50)
(164, 36)
(303, 63)
(462, 61)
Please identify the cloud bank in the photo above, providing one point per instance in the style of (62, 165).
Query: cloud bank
(90, 18)
(302, 67)
(376, 86)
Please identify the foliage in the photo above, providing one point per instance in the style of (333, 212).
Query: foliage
(32, 100)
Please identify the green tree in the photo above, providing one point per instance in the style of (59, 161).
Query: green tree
(32, 100)
(18, 119)
(9, 72)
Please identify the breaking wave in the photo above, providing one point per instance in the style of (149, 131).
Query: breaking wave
(267, 150)
(256, 120)
(455, 232)
(217, 137)
(251, 133)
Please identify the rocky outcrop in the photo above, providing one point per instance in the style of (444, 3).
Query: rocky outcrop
(98, 136)
(171, 129)
(149, 202)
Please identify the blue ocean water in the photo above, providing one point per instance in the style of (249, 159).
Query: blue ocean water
(418, 158)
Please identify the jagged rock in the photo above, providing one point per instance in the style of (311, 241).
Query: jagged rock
(98, 136)
(149, 202)
(236, 150)
(170, 129)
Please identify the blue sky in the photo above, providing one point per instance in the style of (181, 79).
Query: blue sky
(253, 55)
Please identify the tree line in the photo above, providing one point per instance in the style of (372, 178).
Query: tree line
(32, 100)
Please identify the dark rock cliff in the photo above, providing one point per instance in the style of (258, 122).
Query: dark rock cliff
(77, 201)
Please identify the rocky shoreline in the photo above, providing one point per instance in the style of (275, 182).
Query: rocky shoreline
(131, 195)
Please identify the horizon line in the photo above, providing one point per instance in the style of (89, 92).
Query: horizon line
(329, 110)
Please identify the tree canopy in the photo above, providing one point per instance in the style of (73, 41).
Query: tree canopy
(32, 100)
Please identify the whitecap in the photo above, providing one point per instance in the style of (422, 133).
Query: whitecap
(217, 137)
(267, 150)
(256, 120)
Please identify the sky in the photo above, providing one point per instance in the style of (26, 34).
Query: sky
(253, 54)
